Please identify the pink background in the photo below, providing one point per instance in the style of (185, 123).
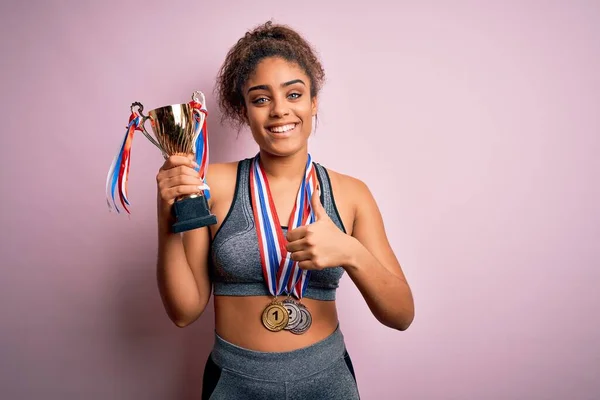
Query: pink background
(476, 125)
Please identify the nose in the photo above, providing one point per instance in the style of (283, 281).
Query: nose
(279, 108)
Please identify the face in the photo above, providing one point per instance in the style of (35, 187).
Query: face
(279, 107)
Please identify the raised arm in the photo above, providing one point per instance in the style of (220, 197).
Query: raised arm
(182, 265)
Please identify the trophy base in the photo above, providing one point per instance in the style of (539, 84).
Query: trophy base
(192, 213)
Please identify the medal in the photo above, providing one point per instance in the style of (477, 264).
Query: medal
(275, 316)
(293, 313)
(302, 317)
(281, 273)
(304, 322)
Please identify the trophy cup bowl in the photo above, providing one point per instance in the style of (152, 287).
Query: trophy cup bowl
(177, 129)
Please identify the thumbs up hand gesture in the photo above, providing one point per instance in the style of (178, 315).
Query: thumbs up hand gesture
(318, 245)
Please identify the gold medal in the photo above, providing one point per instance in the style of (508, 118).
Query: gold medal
(279, 273)
(275, 316)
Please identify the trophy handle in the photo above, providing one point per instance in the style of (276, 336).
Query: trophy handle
(142, 125)
(198, 97)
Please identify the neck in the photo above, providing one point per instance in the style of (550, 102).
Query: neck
(290, 167)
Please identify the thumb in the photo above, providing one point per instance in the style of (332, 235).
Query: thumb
(317, 207)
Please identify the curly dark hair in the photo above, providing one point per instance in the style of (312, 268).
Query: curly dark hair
(266, 40)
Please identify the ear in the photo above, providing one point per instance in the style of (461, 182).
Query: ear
(314, 105)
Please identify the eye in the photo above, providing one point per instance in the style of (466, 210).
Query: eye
(294, 96)
(260, 100)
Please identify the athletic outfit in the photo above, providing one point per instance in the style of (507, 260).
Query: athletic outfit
(320, 371)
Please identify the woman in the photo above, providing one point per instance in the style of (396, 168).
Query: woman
(277, 333)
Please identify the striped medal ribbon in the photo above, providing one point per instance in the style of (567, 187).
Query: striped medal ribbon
(281, 273)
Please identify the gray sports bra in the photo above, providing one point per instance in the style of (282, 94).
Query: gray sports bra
(235, 258)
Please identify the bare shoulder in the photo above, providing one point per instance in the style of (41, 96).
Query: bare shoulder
(349, 186)
(219, 171)
(351, 196)
(221, 179)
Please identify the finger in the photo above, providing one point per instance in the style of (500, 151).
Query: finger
(170, 182)
(317, 207)
(177, 160)
(170, 194)
(296, 234)
(297, 245)
(307, 265)
(301, 255)
(180, 170)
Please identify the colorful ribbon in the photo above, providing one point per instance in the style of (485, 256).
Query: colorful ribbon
(118, 174)
(201, 145)
(303, 215)
(280, 272)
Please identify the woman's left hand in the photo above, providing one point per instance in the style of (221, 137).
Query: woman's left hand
(321, 244)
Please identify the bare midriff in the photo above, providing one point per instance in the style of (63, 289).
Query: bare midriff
(238, 321)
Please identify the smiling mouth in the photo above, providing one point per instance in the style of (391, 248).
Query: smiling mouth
(282, 129)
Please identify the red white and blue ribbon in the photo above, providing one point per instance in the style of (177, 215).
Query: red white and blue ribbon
(201, 145)
(118, 174)
(302, 215)
(280, 272)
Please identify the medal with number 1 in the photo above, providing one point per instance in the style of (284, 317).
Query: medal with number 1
(281, 272)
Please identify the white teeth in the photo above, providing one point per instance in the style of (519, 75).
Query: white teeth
(282, 129)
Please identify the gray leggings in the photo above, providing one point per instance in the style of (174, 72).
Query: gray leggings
(321, 371)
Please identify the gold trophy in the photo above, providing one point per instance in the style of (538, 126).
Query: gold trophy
(179, 129)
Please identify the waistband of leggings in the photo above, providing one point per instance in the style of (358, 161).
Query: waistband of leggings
(279, 366)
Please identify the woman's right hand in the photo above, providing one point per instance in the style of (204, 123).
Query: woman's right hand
(177, 177)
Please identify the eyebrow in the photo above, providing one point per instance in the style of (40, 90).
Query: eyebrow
(266, 87)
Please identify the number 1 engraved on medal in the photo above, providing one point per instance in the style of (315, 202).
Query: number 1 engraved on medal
(274, 317)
